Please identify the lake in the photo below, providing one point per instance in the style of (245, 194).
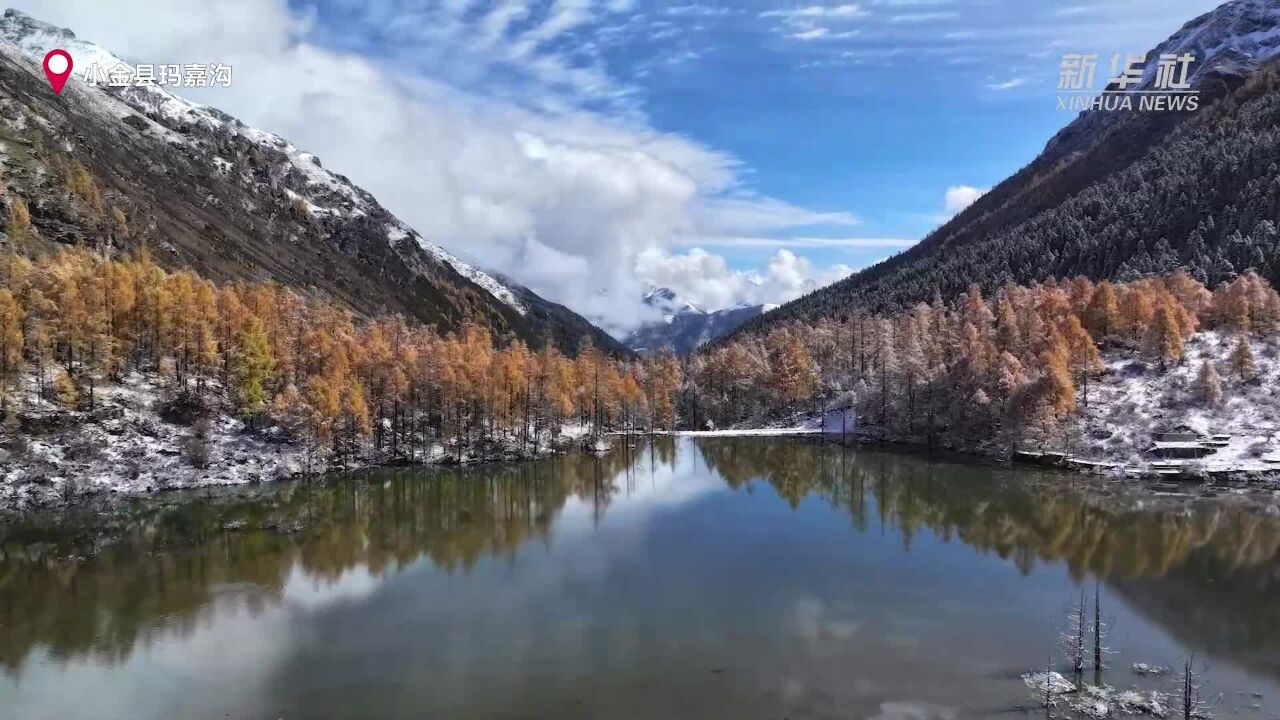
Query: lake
(679, 578)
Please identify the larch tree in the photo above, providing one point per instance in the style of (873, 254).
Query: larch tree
(1163, 341)
(65, 390)
(18, 227)
(1008, 335)
(1209, 384)
(913, 369)
(12, 344)
(1102, 313)
(1136, 313)
(1082, 353)
(1241, 360)
(252, 367)
(1061, 391)
(795, 378)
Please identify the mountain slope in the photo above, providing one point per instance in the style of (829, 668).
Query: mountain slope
(1118, 194)
(684, 326)
(203, 190)
(557, 321)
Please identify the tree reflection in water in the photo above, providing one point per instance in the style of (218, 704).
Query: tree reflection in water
(1205, 570)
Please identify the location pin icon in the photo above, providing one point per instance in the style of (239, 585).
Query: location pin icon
(57, 67)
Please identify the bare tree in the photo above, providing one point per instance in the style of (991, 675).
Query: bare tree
(1100, 632)
(1072, 638)
(1192, 682)
(1046, 687)
(1048, 690)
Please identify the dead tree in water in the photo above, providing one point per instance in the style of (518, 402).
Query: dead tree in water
(1100, 631)
(1073, 638)
(1048, 689)
(1193, 705)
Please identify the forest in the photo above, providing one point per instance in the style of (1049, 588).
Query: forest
(1001, 373)
(299, 368)
(1205, 198)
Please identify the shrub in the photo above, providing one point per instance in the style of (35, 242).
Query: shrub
(195, 447)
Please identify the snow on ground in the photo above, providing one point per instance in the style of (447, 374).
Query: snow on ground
(751, 432)
(125, 446)
(1134, 400)
(1096, 701)
(1128, 405)
(831, 422)
(325, 193)
(479, 277)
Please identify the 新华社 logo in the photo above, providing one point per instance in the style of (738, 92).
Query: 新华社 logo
(1134, 85)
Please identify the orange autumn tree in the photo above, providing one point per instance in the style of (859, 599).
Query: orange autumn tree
(975, 370)
(342, 386)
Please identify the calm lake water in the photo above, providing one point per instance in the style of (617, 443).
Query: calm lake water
(685, 578)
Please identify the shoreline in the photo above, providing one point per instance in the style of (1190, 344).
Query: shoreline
(106, 499)
(46, 499)
(1108, 469)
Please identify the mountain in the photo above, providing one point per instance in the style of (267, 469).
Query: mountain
(684, 326)
(557, 321)
(1118, 194)
(126, 166)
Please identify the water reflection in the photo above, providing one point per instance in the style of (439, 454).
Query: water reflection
(170, 562)
(510, 562)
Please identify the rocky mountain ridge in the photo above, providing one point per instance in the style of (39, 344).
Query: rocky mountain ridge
(204, 190)
(685, 327)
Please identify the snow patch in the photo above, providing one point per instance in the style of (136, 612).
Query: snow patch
(326, 194)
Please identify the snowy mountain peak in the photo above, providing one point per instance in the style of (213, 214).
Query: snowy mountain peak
(685, 326)
(666, 301)
(322, 193)
(1235, 38)
(20, 26)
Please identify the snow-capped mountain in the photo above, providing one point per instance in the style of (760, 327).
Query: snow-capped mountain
(1234, 39)
(684, 326)
(1228, 44)
(1116, 193)
(669, 304)
(229, 199)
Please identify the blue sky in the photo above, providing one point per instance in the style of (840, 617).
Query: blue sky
(873, 108)
(737, 152)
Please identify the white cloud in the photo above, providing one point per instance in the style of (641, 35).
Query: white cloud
(807, 23)
(795, 242)
(922, 17)
(1072, 10)
(959, 197)
(698, 10)
(555, 180)
(707, 281)
(752, 212)
(1009, 84)
(811, 34)
(818, 12)
(822, 33)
